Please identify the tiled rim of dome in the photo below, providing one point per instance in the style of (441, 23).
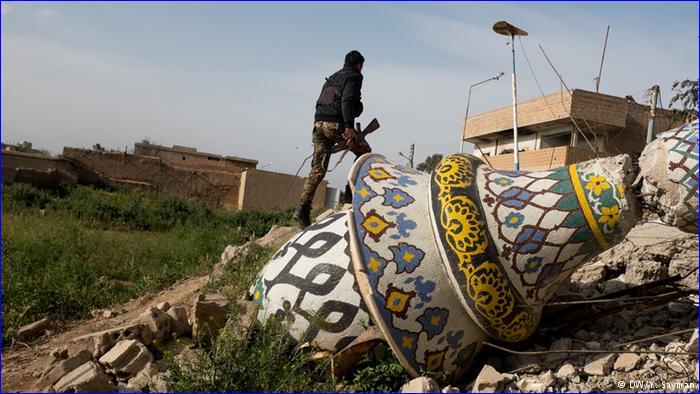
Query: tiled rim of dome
(426, 329)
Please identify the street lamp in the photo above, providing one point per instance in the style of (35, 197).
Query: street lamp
(466, 113)
(506, 29)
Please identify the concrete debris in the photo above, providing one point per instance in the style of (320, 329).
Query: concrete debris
(450, 389)
(142, 380)
(60, 353)
(530, 384)
(421, 385)
(489, 380)
(179, 321)
(33, 330)
(601, 366)
(209, 315)
(88, 377)
(325, 215)
(57, 371)
(104, 340)
(566, 371)
(627, 362)
(163, 306)
(126, 358)
(157, 321)
(277, 236)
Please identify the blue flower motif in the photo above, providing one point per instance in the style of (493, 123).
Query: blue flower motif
(433, 321)
(515, 197)
(396, 198)
(514, 220)
(533, 264)
(529, 240)
(403, 225)
(503, 181)
(407, 257)
(423, 288)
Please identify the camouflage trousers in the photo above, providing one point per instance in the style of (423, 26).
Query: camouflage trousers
(325, 136)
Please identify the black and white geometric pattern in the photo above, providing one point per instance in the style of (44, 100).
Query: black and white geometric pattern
(310, 280)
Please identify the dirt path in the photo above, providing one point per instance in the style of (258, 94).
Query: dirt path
(22, 364)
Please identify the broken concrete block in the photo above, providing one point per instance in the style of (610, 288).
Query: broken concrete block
(328, 213)
(179, 323)
(627, 362)
(600, 366)
(126, 358)
(104, 340)
(210, 313)
(421, 385)
(140, 382)
(489, 380)
(88, 377)
(158, 383)
(277, 236)
(450, 389)
(566, 372)
(33, 330)
(531, 384)
(157, 321)
(163, 306)
(58, 371)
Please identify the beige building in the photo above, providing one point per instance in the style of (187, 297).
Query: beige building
(186, 157)
(562, 128)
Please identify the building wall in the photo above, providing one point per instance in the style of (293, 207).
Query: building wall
(154, 174)
(38, 170)
(186, 157)
(268, 191)
(541, 159)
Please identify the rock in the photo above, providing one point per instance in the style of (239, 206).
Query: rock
(644, 271)
(615, 285)
(582, 335)
(231, 252)
(682, 309)
(421, 385)
(141, 381)
(531, 384)
(157, 321)
(210, 313)
(277, 236)
(33, 330)
(126, 358)
(158, 383)
(450, 389)
(548, 379)
(675, 347)
(559, 344)
(692, 346)
(647, 331)
(600, 366)
(179, 322)
(627, 362)
(108, 313)
(675, 365)
(488, 380)
(566, 372)
(592, 345)
(104, 340)
(58, 371)
(88, 377)
(163, 306)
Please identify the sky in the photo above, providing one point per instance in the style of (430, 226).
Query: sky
(241, 79)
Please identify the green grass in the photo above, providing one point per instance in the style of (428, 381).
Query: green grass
(74, 249)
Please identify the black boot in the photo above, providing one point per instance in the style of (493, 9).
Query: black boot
(347, 196)
(303, 215)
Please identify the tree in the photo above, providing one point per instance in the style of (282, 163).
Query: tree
(687, 96)
(429, 163)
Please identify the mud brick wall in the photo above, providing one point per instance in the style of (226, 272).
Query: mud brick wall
(265, 190)
(186, 157)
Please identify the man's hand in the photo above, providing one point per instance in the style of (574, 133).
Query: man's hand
(350, 137)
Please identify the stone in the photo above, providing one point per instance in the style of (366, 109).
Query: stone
(142, 380)
(531, 384)
(108, 313)
(179, 322)
(126, 358)
(559, 344)
(104, 340)
(592, 345)
(157, 321)
(488, 380)
(277, 236)
(644, 271)
(614, 285)
(582, 335)
(210, 313)
(158, 383)
(88, 377)
(681, 309)
(450, 389)
(600, 366)
(566, 372)
(548, 379)
(53, 374)
(627, 362)
(675, 365)
(163, 306)
(421, 385)
(692, 346)
(33, 330)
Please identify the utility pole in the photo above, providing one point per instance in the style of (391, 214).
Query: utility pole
(652, 113)
(410, 155)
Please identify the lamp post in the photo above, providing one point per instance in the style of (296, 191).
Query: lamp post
(466, 113)
(506, 29)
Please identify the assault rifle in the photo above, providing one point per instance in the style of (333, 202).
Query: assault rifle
(361, 134)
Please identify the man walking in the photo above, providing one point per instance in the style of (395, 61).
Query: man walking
(336, 109)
